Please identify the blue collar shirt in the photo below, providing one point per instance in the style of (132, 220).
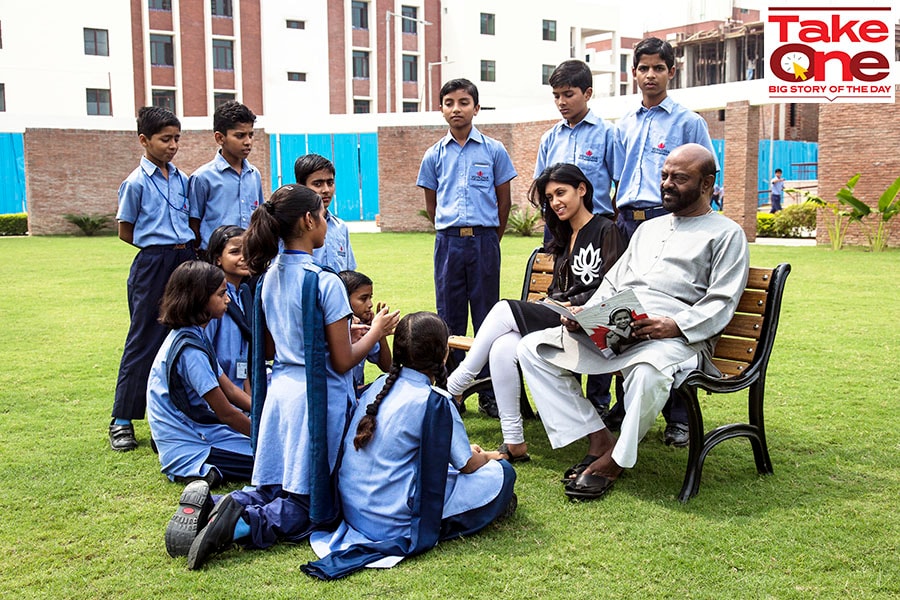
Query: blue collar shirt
(336, 253)
(590, 146)
(644, 138)
(465, 179)
(157, 206)
(219, 195)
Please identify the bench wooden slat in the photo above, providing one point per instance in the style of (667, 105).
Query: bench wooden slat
(540, 282)
(535, 296)
(460, 342)
(737, 349)
(759, 278)
(753, 302)
(730, 368)
(543, 263)
(743, 325)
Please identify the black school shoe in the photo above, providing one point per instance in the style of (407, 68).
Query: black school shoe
(191, 517)
(121, 438)
(487, 405)
(218, 535)
(676, 434)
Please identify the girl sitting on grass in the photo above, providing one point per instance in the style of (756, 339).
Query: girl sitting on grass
(409, 476)
(359, 290)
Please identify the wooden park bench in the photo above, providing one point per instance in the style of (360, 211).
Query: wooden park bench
(741, 354)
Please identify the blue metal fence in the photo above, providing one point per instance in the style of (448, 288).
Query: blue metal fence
(12, 174)
(797, 160)
(355, 158)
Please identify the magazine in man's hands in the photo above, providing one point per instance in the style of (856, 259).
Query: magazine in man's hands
(608, 323)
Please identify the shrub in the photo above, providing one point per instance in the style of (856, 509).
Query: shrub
(14, 224)
(795, 220)
(522, 222)
(887, 208)
(89, 224)
(765, 225)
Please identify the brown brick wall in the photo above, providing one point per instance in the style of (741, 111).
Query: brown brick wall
(58, 180)
(223, 26)
(137, 56)
(741, 163)
(251, 56)
(337, 67)
(193, 59)
(849, 145)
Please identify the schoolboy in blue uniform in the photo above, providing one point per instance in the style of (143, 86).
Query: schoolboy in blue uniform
(227, 189)
(153, 216)
(466, 178)
(317, 173)
(585, 140)
(644, 138)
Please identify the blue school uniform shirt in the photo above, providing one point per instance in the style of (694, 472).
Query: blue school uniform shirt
(644, 138)
(283, 440)
(184, 444)
(359, 371)
(157, 206)
(219, 195)
(377, 483)
(590, 146)
(465, 178)
(336, 253)
(226, 339)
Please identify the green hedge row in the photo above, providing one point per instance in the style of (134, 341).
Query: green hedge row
(15, 224)
(796, 220)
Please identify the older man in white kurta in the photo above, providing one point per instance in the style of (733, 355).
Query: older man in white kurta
(688, 269)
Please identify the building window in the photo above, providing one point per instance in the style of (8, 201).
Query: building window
(360, 107)
(549, 30)
(223, 55)
(360, 64)
(294, 24)
(220, 98)
(410, 68)
(489, 70)
(792, 115)
(360, 11)
(546, 71)
(96, 42)
(160, 4)
(623, 63)
(487, 24)
(98, 102)
(2, 97)
(164, 99)
(294, 76)
(623, 89)
(410, 107)
(221, 8)
(409, 24)
(161, 51)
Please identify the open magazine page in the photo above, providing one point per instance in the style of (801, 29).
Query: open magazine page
(608, 323)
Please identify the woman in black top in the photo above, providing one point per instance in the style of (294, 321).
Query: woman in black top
(584, 246)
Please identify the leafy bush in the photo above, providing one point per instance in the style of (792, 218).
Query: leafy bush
(765, 225)
(887, 208)
(89, 224)
(522, 222)
(14, 224)
(795, 220)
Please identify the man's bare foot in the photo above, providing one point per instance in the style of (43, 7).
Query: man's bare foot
(606, 467)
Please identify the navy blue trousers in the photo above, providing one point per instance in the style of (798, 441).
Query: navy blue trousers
(466, 277)
(147, 279)
(274, 515)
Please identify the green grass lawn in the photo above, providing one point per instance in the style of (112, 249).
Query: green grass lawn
(81, 521)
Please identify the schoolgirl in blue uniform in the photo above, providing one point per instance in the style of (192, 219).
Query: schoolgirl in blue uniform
(585, 246)
(305, 315)
(409, 476)
(359, 290)
(230, 335)
(152, 216)
(196, 413)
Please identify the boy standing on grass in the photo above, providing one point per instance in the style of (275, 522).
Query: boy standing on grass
(466, 178)
(644, 138)
(227, 189)
(317, 173)
(153, 216)
(777, 191)
(585, 140)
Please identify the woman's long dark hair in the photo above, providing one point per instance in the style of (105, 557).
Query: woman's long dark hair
(560, 173)
(420, 343)
(277, 219)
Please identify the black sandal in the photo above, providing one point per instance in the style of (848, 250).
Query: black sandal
(576, 470)
(504, 449)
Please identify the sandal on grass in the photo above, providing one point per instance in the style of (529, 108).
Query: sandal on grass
(504, 449)
(576, 470)
(589, 487)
